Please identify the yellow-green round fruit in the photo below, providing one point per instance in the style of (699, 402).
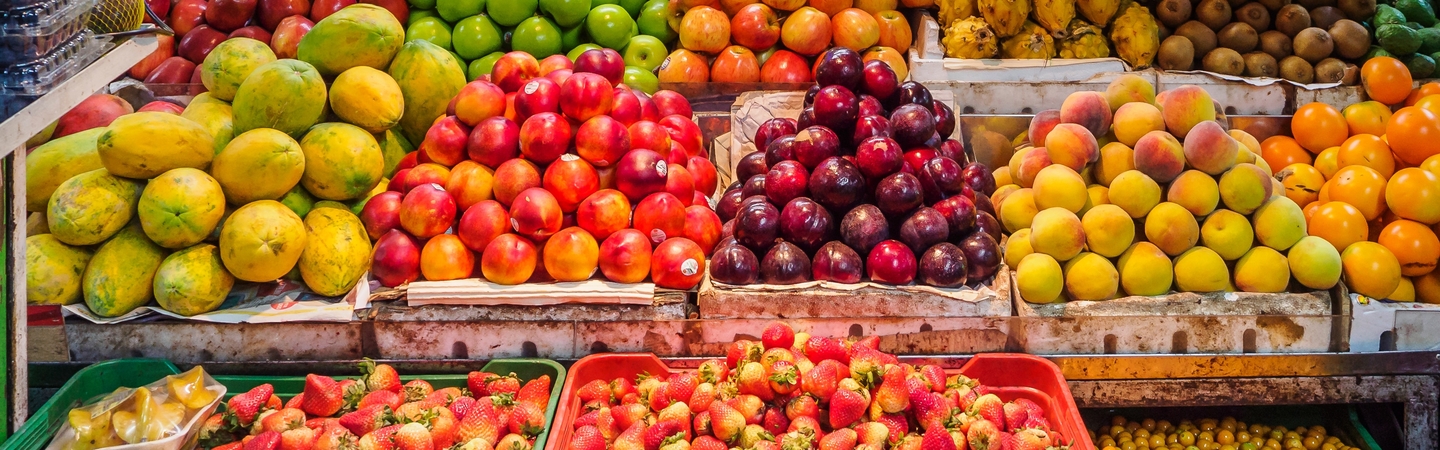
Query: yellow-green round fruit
(342, 161)
(91, 207)
(1018, 210)
(1134, 192)
(1172, 228)
(357, 35)
(56, 161)
(53, 270)
(193, 281)
(367, 98)
(215, 116)
(120, 276)
(1089, 276)
(262, 241)
(1279, 223)
(393, 146)
(1227, 233)
(1404, 292)
(262, 150)
(1201, 270)
(145, 144)
(1314, 263)
(1059, 186)
(1262, 270)
(337, 251)
(429, 78)
(1017, 247)
(229, 63)
(299, 200)
(1039, 278)
(1109, 230)
(1245, 187)
(1145, 270)
(1058, 233)
(181, 207)
(286, 95)
(1194, 190)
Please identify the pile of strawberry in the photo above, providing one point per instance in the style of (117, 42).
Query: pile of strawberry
(796, 392)
(377, 412)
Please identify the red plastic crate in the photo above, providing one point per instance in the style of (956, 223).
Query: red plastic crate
(1009, 375)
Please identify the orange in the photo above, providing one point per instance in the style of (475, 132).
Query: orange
(1432, 165)
(1366, 150)
(1425, 90)
(1414, 194)
(1361, 187)
(1427, 288)
(1282, 151)
(1367, 117)
(1413, 244)
(1318, 126)
(1386, 80)
(1339, 224)
(1370, 269)
(1302, 183)
(1327, 162)
(1413, 134)
(1310, 210)
(1324, 192)
(1429, 103)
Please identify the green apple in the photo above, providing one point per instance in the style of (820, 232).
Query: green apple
(632, 6)
(459, 62)
(765, 55)
(654, 21)
(483, 66)
(476, 36)
(573, 36)
(575, 52)
(641, 79)
(508, 13)
(610, 26)
(429, 29)
(645, 52)
(566, 13)
(454, 10)
(421, 4)
(417, 14)
(594, 3)
(537, 36)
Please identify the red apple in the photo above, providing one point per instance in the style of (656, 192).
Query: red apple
(894, 30)
(677, 264)
(539, 95)
(684, 66)
(399, 8)
(544, 137)
(672, 103)
(806, 31)
(269, 13)
(324, 8)
(252, 32)
(735, 65)
(445, 141)
(626, 108)
(427, 211)
(174, 70)
(199, 42)
(571, 179)
(381, 213)
(650, 136)
(513, 70)
(602, 141)
(161, 8)
(704, 30)
(785, 5)
(604, 62)
(586, 95)
(197, 85)
(625, 255)
(559, 75)
(229, 15)
(397, 259)
(96, 111)
(685, 132)
(477, 101)
(732, 7)
(288, 34)
(785, 67)
(535, 214)
(482, 223)
(756, 27)
(555, 62)
(162, 106)
(493, 141)
(855, 29)
(142, 69)
(187, 15)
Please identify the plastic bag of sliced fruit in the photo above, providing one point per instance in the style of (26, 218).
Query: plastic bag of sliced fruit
(795, 391)
(164, 415)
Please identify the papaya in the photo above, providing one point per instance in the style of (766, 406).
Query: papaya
(91, 207)
(216, 117)
(331, 204)
(120, 276)
(229, 63)
(299, 200)
(367, 98)
(181, 207)
(358, 35)
(337, 251)
(36, 224)
(342, 161)
(53, 270)
(56, 161)
(205, 97)
(286, 95)
(428, 79)
(261, 241)
(259, 151)
(192, 281)
(146, 144)
(394, 146)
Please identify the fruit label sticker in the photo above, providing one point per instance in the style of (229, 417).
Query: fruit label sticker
(689, 267)
(657, 235)
(514, 224)
(664, 64)
(569, 157)
(438, 187)
(531, 87)
(661, 169)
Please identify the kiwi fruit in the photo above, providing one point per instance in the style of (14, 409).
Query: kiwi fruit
(1201, 36)
(1312, 4)
(1276, 44)
(1295, 69)
(1163, 31)
(1261, 64)
(1350, 38)
(1313, 44)
(1329, 70)
(1274, 5)
(1172, 13)
(1213, 13)
(1357, 10)
(1291, 19)
(1238, 36)
(1325, 16)
(1255, 15)
(1176, 53)
(1224, 61)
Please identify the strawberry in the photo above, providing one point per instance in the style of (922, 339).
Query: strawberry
(916, 384)
(872, 433)
(822, 380)
(708, 443)
(482, 421)
(803, 405)
(805, 423)
(726, 422)
(777, 354)
(908, 442)
(871, 342)
(754, 434)
(1034, 410)
(283, 420)
(823, 348)
(767, 445)
(269, 440)
(587, 438)
(681, 386)
(984, 435)
(1015, 415)
(897, 425)
(930, 410)
(323, 396)
(595, 390)
(784, 377)
(775, 421)
(298, 439)
(334, 437)
(475, 381)
(364, 420)
(413, 436)
(753, 380)
(461, 406)
(379, 377)
(934, 376)
(892, 395)
(676, 411)
(938, 439)
(846, 407)
(587, 418)
(989, 407)
(777, 335)
(701, 423)
(620, 387)
(751, 407)
(701, 397)
(796, 440)
(513, 442)
(508, 384)
(632, 439)
(867, 367)
(380, 439)
(237, 445)
(526, 419)
(712, 371)
(842, 439)
(535, 392)
(1029, 439)
(606, 423)
(657, 397)
(626, 415)
(385, 398)
(417, 390)
(958, 438)
(442, 397)
(274, 403)
(245, 406)
(444, 428)
(295, 401)
(1036, 422)
(663, 430)
(742, 351)
(675, 443)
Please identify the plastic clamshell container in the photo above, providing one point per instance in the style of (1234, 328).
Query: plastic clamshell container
(23, 84)
(35, 30)
(1009, 376)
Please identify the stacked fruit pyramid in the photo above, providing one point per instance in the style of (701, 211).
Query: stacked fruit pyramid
(171, 207)
(867, 158)
(540, 167)
(1171, 201)
(794, 391)
(1044, 29)
(1305, 42)
(1209, 432)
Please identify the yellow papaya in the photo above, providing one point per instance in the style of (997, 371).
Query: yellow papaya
(337, 251)
(90, 207)
(192, 281)
(428, 79)
(120, 276)
(261, 241)
(229, 63)
(342, 161)
(259, 151)
(53, 270)
(146, 144)
(286, 95)
(181, 207)
(367, 98)
(56, 161)
(217, 118)
(358, 35)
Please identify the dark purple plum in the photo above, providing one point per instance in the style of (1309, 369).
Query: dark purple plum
(912, 92)
(839, 66)
(934, 142)
(871, 126)
(753, 199)
(940, 179)
(772, 129)
(836, 108)
(878, 157)
(915, 158)
(806, 119)
(986, 223)
(912, 125)
(806, 224)
(780, 149)
(750, 165)
(837, 184)
(786, 180)
(728, 240)
(925, 228)
(979, 178)
(815, 144)
(879, 80)
(864, 227)
(785, 264)
(871, 106)
(810, 95)
(944, 119)
(837, 262)
(959, 212)
(899, 194)
(943, 265)
(755, 185)
(982, 204)
(891, 262)
(953, 149)
(727, 231)
(729, 204)
(757, 226)
(734, 264)
(982, 255)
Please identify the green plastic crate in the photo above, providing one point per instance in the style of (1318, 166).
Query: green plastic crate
(1338, 420)
(104, 377)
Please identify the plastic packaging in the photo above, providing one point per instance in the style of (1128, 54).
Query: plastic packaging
(163, 415)
(35, 30)
(23, 84)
